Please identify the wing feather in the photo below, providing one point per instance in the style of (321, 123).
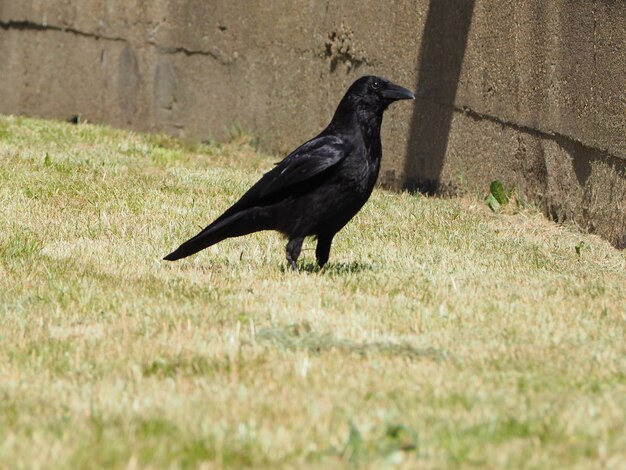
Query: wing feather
(310, 159)
(304, 163)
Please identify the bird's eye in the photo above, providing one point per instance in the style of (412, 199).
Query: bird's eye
(376, 85)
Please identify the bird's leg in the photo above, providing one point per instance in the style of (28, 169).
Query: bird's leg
(293, 251)
(322, 251)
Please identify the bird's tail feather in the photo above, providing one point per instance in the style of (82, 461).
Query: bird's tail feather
(236, 225)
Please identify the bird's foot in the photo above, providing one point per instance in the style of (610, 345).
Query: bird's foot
(293, 251)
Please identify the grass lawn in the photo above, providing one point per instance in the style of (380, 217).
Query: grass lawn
(440, 335)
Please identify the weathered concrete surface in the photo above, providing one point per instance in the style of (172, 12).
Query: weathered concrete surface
(532, 93)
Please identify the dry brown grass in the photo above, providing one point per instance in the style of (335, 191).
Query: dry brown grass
(441, 335)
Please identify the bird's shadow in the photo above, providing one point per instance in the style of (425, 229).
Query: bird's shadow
(331, 268)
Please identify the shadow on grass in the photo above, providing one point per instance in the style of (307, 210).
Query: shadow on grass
(300, 336)
(331, 268)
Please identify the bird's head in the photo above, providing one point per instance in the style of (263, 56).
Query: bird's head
(377, 92)
(367, 99)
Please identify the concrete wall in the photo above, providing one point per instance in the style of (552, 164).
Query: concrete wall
(532, 93)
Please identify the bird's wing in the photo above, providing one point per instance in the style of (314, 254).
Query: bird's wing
(310, 159)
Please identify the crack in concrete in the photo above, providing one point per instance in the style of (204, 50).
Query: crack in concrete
(550, 135)
(25, 25)
(32, 26)
(192, 52)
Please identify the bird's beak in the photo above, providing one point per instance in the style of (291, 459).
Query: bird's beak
(395, 92)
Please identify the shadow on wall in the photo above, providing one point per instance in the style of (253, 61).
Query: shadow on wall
(439, 66)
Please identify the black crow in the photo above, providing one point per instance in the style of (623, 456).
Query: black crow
(320, 186)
